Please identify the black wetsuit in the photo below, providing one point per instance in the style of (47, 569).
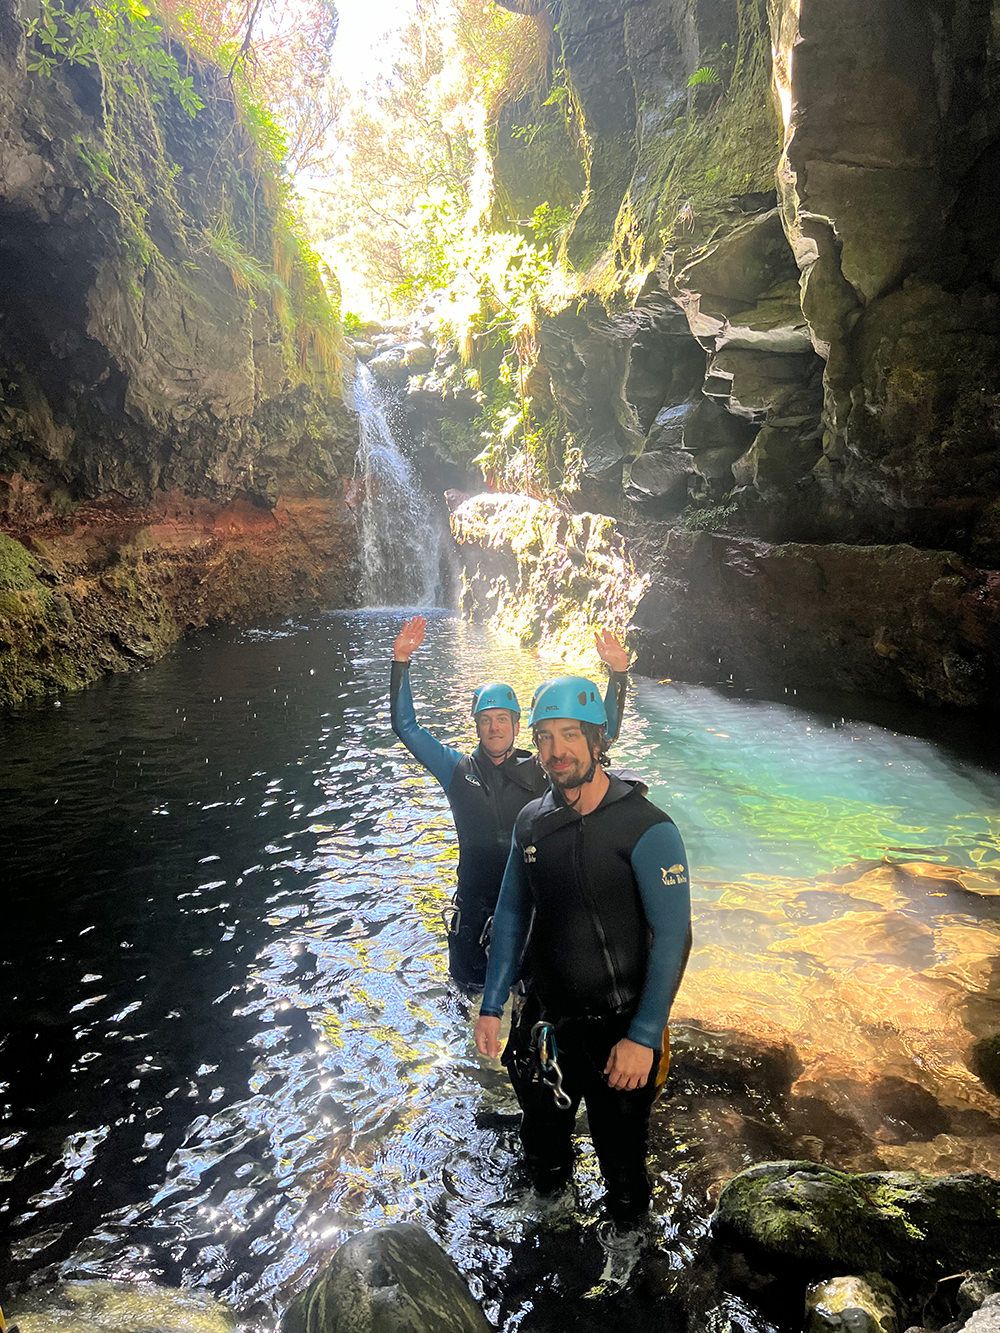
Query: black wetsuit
(601, 905)
(485, 800)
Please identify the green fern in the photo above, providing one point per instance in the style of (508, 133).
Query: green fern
(704, 77)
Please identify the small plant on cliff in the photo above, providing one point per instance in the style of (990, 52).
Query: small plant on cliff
(247, 271)
(129, 167)
(706, 76)
(708, 518)
(118, 37)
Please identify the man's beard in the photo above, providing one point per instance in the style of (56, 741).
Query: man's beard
(577, 777)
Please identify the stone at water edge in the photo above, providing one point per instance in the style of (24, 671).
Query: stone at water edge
(813, 1220)
(976, 1290)
(986, 1319)
(851, 1305)
(394, 1279)
(119, 1307)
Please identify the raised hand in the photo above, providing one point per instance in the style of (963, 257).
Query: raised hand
(409, 639)
(611, 651)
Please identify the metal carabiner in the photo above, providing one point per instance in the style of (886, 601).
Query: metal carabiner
(544, 1039)
(562, 1099)
(452, 918)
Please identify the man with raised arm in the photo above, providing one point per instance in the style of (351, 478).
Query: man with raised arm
(596, 897)
(485, 788)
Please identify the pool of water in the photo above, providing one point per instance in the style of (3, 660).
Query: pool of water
(230, 1039)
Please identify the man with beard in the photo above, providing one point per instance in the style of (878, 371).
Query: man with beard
(595, 910)
(486, 789)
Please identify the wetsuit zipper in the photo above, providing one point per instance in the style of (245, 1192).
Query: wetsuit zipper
(617, 1002)
(493, 784)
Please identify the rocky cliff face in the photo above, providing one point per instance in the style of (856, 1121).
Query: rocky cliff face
(156, 435)
(789, 231)
(824, 355)
(887, 621)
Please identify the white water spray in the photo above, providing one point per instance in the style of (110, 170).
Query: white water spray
(405, 543)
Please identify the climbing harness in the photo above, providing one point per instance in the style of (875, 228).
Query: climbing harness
(543, 1038)
(452, 917)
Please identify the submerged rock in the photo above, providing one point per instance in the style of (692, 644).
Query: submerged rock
(812, 1219)
(120, 1307)
(851, 1305)
(392, 1280)
(984, 1061)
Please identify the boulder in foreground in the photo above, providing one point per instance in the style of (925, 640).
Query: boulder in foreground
(391, 1280)
(814, 1220)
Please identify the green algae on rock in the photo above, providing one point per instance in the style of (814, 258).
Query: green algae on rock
(812, 1219)
(120, 1307)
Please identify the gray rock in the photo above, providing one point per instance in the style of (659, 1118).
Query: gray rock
(417, 356)
(987, 1318)
(743, 291)
(667, 430)
(392, 1280)
(851, 1305)
(975, 1291)
(659, 476)
(389, 366)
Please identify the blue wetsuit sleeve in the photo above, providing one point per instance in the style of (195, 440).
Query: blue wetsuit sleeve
(614, 703)
(660, 866)
(440, 760)
(511, 926)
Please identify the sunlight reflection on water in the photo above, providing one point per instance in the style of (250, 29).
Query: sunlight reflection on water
(234, 1039)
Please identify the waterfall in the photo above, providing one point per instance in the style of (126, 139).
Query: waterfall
(405, 543)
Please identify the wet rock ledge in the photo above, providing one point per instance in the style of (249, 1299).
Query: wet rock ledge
(887, 621)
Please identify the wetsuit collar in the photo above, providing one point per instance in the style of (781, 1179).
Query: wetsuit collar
(554, 812)
(515, 767)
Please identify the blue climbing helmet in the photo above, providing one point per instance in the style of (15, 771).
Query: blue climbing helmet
(568, 696)
(495, 695)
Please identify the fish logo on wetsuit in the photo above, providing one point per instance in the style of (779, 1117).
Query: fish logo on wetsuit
(674, 874)
(529, 856)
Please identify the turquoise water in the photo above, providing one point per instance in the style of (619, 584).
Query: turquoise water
(231, 1040)
(770, 788)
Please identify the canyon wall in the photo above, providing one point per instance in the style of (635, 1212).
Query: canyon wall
(168, 455)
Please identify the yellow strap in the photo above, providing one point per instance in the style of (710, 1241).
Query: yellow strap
(3, 1323)
(663, 1064)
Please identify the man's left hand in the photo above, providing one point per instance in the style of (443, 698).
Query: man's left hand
(611, 651)
(629, 1065)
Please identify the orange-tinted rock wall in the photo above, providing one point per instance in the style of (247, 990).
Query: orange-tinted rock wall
(115, 584)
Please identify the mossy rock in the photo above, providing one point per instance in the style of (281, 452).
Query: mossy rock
(17, 566)
(814, 1220)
